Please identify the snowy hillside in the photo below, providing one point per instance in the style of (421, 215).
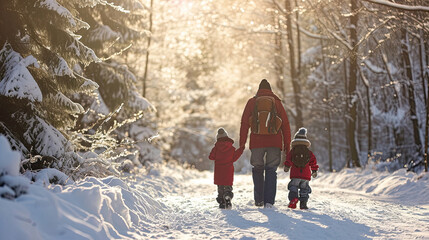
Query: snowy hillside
(175, 203)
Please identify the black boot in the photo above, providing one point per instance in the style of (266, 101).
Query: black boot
(221, 202)
(227, 198)
(303, 205)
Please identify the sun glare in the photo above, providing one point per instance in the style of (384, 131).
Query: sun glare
(184, 6)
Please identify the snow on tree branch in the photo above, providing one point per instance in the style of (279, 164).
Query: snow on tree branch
(61, 68)
(68, 105)
(84, 53)
(88, 85)
(16, 80)
(102, 33)
(63, 12)
(399, 6)
(45, 139)
(312, 35)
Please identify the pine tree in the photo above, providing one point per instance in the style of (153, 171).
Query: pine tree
(116, 30)
(39, 51)
(49, 49)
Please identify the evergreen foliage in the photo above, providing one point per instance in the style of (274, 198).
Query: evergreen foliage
(50, 52)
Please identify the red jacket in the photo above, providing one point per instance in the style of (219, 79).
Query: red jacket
(295, 172)
(224, 154)
(280, 140)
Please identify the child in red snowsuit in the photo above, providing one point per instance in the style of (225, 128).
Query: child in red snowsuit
(224, 155)
(303, 165)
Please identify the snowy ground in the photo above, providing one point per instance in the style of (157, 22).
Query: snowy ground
(173, 203)
(335, 213)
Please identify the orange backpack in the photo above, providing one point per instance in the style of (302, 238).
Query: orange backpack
(264, 119)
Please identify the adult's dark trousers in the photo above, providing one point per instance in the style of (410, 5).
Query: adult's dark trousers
(264, 172)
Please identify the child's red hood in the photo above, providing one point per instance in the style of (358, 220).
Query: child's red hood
(224, 144)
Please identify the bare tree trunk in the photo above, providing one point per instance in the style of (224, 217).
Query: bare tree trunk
(368, 106)
(298, 38)
(346, 110)
(398, 140)
(425, 85)
(411, 97)
(299, 122)
(352, 84)
(422, 64)
(328, 113)
(147, 50)
(279, 55)
(426, 133)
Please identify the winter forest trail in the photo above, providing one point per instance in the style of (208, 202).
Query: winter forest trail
(334, 214)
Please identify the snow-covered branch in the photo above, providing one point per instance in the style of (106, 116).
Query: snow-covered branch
(312, 35)
(399, 6)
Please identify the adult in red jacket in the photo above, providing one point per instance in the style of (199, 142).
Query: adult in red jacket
(268, 146)
(224, 155)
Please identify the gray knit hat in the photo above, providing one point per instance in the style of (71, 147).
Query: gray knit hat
(300, 138)
(221, 133)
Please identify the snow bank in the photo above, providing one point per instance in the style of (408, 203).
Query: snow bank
(93, 208)
(400, 186)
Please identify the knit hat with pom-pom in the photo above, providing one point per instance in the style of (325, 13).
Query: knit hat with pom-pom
(221, 133)
(300, 138)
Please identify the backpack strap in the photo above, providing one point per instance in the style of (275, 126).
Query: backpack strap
(255, 119)
(273, 115)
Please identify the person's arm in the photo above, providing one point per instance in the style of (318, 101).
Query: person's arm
(245, 125)
(212, 155)
(313, 162)
(288, 162)
(238, 153)
(285, 127)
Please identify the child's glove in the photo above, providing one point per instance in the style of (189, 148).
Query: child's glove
(314, 173)
(286, 169)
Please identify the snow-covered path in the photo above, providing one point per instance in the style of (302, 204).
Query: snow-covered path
(334, 214)
(170, 202)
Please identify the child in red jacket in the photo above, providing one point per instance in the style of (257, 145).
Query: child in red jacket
(303, 165)
(224, 155)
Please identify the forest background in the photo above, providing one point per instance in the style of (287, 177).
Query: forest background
(97, 88)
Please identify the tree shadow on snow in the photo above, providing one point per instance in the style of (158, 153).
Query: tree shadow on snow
(298, 224)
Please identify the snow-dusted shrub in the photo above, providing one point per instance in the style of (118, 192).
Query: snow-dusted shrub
(49, 176)
(126, 166)
(103, 145)
(11, 185)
